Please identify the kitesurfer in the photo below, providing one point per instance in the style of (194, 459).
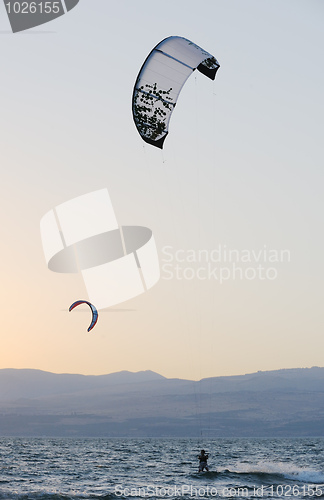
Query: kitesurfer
(203, 457)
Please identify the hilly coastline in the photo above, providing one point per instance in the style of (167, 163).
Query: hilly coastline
(145, 404)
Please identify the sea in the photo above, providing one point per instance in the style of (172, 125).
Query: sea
(122, 468)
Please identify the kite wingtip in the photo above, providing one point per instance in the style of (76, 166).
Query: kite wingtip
(158, 144)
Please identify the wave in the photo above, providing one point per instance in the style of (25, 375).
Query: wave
(266, 472)
(307, 476)
(275, 471)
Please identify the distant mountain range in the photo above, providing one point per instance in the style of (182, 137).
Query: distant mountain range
(274, 403)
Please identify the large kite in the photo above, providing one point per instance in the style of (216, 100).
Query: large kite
(160, 80)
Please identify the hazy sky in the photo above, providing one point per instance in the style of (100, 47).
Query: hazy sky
(241, 172)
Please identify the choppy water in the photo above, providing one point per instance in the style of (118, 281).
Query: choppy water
(62, 469)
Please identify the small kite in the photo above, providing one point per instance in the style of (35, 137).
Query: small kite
(93, 309)
(159, 83)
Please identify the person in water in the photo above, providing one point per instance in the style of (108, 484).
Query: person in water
(203, 457)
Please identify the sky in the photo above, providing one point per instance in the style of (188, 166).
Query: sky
(234, 200)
